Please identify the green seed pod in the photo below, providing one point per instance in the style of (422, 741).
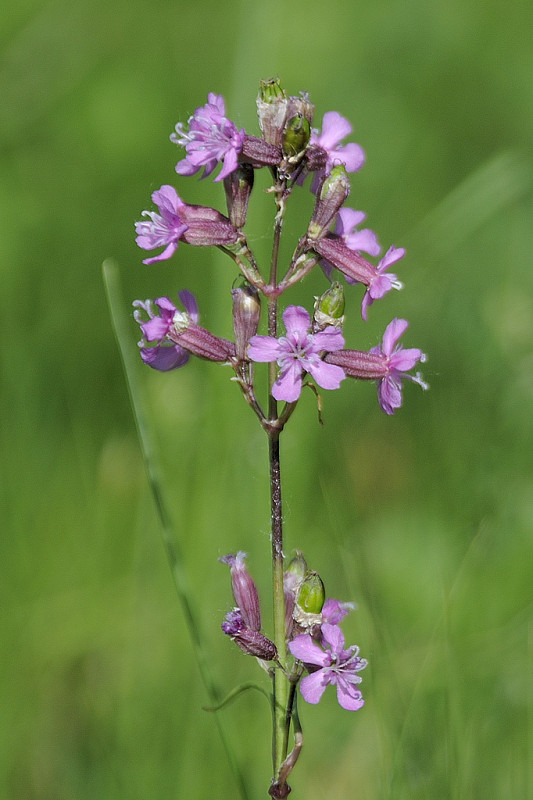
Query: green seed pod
(329, 308)
(311, 594)
(296, 135)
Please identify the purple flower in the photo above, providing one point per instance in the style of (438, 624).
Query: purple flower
(298, 352)
(364, 240)
(211, 139)
(381, 284)
(334, 129)
(196, 225)
(388, 364)
(166, 354)
(165, 229)
(336, 666)
(398, 362)
(244, 590)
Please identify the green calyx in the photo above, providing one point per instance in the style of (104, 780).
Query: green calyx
(311, 594)
(296, 135)
(329, 307)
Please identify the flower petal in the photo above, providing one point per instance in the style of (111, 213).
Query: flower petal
(296, 320)
(289, 384)
(352, 156)
(404, 360)
(328, 376)
(329, 339)
(169, 251)
(304, 649)
(335, 127)
(264, 348)
(189, 304)
(313, 686)
(348, 696)
(334, 636)
(392, 333)
(389, 394)
(164, 357)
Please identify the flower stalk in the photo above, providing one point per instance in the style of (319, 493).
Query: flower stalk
(306, 649)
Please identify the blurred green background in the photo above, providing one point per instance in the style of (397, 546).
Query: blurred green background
(423, 519)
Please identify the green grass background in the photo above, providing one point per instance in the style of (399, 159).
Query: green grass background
(423, 519)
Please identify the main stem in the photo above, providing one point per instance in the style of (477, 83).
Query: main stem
(281, 686)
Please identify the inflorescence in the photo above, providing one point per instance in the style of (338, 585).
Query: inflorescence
(310, 349)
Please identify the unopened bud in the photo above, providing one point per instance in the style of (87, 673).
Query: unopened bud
(333, 192)
(296, 136)
(251, 642)
(292, 578)
(329, 308)
(244, 590)
(246, 315)
(312, 594)
(295, 572)
(238, 186)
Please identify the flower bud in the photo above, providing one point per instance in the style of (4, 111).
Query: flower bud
(296, 135)
(246, 314)
(333, 192)
(238, 186)
(251, 642)
(244, 590)
(295, 572)
(329, 308)
(312, 594)
(292, 578)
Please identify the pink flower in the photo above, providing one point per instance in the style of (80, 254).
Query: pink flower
(166, 354)
(197, 225)
(212, 139)
(398, 362)
(298, 352)
(381, 283)
(388, 364)
(336, 666)
(334, 129)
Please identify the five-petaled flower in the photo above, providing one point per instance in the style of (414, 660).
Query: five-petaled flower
(177, 333)
(333, 665)
(197, 225)
(298, 352)
(166, 354)
(387, 363)
(212, 138)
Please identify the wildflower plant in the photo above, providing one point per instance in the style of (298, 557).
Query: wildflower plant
(301, 346)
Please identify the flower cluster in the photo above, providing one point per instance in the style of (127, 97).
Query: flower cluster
(311, 346)
(302, 347)
(312, 630)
